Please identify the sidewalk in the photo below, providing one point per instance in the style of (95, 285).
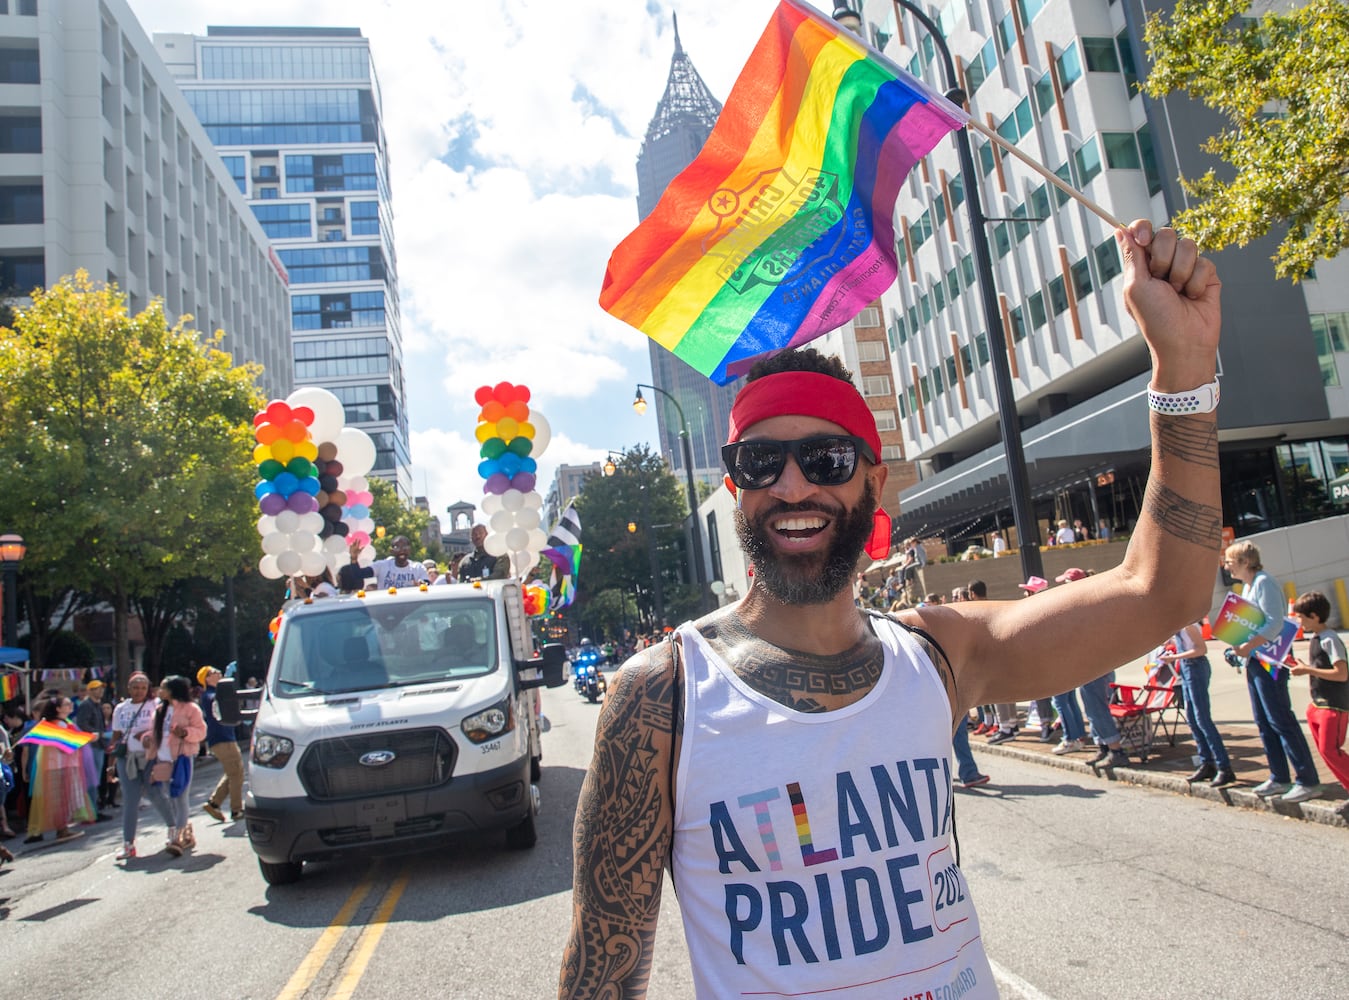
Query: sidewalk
(1167, 766)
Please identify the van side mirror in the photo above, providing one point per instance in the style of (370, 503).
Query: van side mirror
(229, 705)
(546, 670)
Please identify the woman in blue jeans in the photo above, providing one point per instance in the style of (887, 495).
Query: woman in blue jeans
(1280, 733)
(1195, 671)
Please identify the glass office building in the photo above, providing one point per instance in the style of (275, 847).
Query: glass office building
(296, 115)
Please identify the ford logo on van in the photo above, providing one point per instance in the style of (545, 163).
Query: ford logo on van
(377, 758)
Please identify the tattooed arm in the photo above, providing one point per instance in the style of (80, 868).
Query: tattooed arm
(1051, 642)
(622, 834)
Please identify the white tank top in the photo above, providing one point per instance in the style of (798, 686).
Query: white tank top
(812, 850)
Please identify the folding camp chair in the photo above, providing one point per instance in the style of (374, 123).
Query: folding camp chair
(1141, 712)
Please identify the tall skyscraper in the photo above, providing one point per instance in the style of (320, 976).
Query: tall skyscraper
(296, 113)
(105, 168)
(684, 118)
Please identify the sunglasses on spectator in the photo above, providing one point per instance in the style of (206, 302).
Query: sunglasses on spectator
(825, 460)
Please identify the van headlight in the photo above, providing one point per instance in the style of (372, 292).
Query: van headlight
(271, 751)
(490, 723)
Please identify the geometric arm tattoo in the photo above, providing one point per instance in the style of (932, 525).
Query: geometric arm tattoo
(622, 835)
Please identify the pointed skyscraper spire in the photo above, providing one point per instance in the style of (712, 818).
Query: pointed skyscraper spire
(686, 103)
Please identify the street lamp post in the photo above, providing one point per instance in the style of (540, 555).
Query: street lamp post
(696, 568)
(12, 551)
(1018, 482)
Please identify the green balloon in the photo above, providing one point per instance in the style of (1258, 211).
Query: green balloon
(522, 446)
(493, 447)
(300, 467)
(270, 469)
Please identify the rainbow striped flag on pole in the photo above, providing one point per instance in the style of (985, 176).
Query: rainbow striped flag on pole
(49, 734)
(782, 229)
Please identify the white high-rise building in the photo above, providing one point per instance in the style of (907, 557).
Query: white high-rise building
(296, 113)
(104, 167)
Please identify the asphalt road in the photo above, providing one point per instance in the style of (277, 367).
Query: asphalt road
(1085, 890)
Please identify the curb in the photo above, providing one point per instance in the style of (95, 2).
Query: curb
(1325, 813)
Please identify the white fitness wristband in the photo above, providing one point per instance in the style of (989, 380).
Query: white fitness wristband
(1174, 404)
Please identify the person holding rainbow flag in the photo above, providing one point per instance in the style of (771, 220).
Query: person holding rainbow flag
(57, 773)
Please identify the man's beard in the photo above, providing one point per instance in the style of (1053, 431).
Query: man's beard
(800, 579)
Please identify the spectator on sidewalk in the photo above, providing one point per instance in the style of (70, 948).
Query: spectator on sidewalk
(1328, 674)
(222, 742)
(131, 719)
(89, 717)
(1195, 671)
(1270, 704)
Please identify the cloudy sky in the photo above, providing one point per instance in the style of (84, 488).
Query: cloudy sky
(513, 130)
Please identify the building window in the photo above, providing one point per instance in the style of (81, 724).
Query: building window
(285, 221)
(343, 172)
(1126, 61)
(1058, 296)
(1107, 261)
(925, 390)
(1088, 160)
(268, 193)
(1044, 93)
(20, 134)
(937, 385)
(235, 165)
(337, 310)
(1121, 151)
(939, 296)
(953, 284)
(967, 269)
(1020, 229)
(284, 62)
(347, 356)
(19, 66)
(870, 350)
(20, 204)
(982, 67)
(1149, 157)
(892, 453)
(966, 362)
(981, 348)
(1100, 55)
(1038, 203)
(1070, 66)
(1002, 240)
(22, 272)
(1017, 318)
(951, 379)
(920, 230)
(986, 161)
(365, 218)
(1328, 332)
(869, 317)
(1081, 272)
(357, 263)
(1006, 33)
(1065, 174)
(1035, 307)
(875, 385)
(885, 420)
(925, 307)
(957, 188)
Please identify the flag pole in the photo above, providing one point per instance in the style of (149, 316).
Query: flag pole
(1045, 172)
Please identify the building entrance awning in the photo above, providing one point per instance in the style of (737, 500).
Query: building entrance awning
(1108, 431)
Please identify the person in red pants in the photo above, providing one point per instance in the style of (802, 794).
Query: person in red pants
(1328, 674)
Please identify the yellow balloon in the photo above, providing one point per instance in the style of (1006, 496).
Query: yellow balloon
(283, 450)
(484, 431)
(261, 454)
(525, 430)
(507, 428)
(307, 449)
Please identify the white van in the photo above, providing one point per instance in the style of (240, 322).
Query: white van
(390, 719)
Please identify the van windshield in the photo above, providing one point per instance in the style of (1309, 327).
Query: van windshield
(362, 646)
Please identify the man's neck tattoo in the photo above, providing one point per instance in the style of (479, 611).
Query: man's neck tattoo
(805, 682)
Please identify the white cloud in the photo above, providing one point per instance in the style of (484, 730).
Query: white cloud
(513, 132)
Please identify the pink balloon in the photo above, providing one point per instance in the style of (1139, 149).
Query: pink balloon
(522, 481)
(273, 503)
(496, 483)
(358, 536)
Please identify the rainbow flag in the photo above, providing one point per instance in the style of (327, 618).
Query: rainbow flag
(1239, 621)
(49, 734)
(9, 686)
(783, 228)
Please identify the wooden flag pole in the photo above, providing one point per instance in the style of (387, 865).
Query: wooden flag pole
(1045, 172)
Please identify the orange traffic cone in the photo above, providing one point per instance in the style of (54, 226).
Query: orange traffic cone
(1207, 630)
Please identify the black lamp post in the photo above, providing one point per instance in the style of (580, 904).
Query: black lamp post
(12, 551)
(697, 573)
(1018, 482)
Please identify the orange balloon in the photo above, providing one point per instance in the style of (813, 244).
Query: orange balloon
(493, 411)
(295, 431)
(267, 433)
(518, 410)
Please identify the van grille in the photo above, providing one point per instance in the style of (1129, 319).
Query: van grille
(423, 758)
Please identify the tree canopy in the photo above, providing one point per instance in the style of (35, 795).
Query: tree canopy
(1282, 84)
(132, 444)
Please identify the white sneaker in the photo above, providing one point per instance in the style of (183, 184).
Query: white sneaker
(1068, 746)
(1269, 787)
(1301, 793)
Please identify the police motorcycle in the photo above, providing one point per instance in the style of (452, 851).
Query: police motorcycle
(587, 677)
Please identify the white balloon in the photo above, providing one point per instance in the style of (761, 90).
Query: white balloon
(287, 521)
(266, 524)
(335, 545)
(502, 521)
(288, 562)
(366, 556)
(495, 543)
(538, 540)
(533, 500)
(366, 524)
(275, 543)
(512, 500)
(543, 433)
(355, 451)
(527, 519)
(329, 413)
(313, 563)
(517, 540)
(491, 503)
(358, 483)
(304, 541)
(268, 568)
(313, 521)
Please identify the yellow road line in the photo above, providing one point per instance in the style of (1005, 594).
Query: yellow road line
(323, 947)
(369, 940)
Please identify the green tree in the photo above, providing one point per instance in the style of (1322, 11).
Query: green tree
(396, 518)
(1282, 84)
(134, 442)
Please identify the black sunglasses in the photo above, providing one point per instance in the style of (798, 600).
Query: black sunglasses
(825, 460)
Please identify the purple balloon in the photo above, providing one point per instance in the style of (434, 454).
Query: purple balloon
(523, 481)
(301, 502)
(273, 504)
(496, 483)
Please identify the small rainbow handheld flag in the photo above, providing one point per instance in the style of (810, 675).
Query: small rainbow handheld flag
(1239, 621)
(49, 734)
(783, 228)
(9, 686)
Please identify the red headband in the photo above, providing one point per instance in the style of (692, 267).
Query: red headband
(806, 394)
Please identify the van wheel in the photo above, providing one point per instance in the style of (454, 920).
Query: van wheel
(282, 872)
(535, 768)
(523, 835)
